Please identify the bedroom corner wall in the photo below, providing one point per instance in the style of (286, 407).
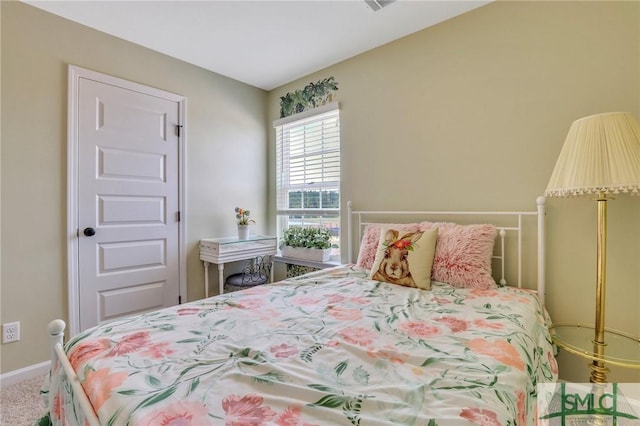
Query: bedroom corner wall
(225, 136)
(472, 114)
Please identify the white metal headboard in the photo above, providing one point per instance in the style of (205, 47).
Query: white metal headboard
(516, 226)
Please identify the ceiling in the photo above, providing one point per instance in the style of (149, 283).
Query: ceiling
(264, 43)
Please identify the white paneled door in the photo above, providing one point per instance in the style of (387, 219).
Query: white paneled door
(128, 201)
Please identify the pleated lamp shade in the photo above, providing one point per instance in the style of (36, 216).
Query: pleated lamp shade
(600, 154)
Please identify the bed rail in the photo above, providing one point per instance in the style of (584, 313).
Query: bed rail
(56, 336)
(365, 217)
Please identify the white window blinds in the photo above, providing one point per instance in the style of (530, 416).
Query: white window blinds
(308, 163)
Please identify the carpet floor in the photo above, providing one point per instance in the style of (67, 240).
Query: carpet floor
(20, 403)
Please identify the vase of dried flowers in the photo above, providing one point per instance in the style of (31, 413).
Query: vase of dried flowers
(242, 216)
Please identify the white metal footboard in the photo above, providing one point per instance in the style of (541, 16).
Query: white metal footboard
(56, 336)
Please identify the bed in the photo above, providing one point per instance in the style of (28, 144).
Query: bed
(335, 346)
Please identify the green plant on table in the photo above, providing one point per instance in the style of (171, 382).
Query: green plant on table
(308, 237)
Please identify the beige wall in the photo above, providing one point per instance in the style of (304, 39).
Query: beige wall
(226, 151)
(472, 113)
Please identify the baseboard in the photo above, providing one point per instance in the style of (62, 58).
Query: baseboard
(26, 373)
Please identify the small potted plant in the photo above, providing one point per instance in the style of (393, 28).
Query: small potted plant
(308, 243)
(242, 216)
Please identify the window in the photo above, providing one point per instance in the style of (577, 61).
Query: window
(308, 170)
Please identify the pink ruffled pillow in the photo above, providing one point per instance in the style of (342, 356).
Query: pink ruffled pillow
(370, 238)
(463, 254)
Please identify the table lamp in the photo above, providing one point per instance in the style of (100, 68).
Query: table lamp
(600, 156)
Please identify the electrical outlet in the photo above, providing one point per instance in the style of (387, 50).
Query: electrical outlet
(11, 332)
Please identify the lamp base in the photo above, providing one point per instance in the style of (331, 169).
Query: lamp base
(598, 369)
(598, 372)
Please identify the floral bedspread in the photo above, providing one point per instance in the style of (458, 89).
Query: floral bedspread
(327, 348)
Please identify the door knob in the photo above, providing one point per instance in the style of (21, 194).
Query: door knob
(89, 232)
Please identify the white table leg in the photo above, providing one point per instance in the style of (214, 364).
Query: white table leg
(206, 279)
(221, 278)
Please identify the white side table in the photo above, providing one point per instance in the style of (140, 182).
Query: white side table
(231, 249)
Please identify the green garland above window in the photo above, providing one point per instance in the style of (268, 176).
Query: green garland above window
(313, 95)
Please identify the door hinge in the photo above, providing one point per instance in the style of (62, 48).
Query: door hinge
(178, 216)
(179, 300)
(178, 129)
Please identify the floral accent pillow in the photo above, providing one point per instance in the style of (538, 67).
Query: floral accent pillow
(405, 257)
(463, 254)
(371, 238)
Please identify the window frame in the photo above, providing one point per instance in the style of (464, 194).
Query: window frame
(308, 216)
